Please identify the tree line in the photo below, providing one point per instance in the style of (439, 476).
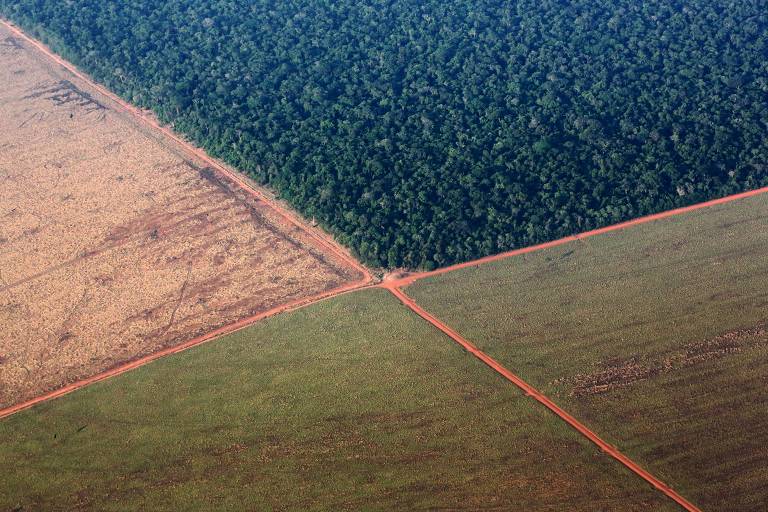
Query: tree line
(427, 132)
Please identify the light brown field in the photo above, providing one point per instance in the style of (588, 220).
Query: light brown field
(114, 243)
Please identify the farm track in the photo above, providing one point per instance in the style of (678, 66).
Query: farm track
(394, 286)
(320, 239)
(529, 390)
(316, 240)
(411, 278)
(217, 333)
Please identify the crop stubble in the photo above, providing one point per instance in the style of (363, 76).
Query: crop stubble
(115, 243)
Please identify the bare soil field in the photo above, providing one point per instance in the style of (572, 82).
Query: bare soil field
(115, 242)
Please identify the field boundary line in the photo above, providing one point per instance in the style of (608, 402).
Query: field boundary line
(213, 335)
(320, 239)
(411, 278)
(317, 238)
(534, 393)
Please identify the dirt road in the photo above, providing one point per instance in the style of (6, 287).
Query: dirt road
(395, 286)
(119, 241)
(410, 278)
(539, 397)
(320, 238)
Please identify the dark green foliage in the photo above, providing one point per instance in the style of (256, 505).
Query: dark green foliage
(424, 132)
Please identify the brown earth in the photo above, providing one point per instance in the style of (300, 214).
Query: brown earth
(622, 373)
(115, 242)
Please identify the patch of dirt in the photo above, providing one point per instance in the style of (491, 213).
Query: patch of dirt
(116, 242)
(11, 43)
(62, 93)
(617, 374)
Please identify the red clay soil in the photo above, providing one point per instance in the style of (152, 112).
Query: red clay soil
(257, 291)
(222, 331)
(409, 278)
(539, 397)
(394, 286)
(396, 281)
(321, 240)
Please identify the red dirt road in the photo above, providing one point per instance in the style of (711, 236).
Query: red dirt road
(411, 278)
(315, 239)
(539, 397)
(222, 331)
(394, 286)
(321, 240)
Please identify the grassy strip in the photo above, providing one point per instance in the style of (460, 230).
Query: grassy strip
(654, 336)
(351, 404)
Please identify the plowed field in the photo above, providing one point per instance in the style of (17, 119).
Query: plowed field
(115, 242)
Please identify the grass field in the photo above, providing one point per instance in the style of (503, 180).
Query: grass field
(654, 336)
(115, 242)
(350, 404)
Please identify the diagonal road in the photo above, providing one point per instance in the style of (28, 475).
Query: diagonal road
(529, 390)
(394, 286)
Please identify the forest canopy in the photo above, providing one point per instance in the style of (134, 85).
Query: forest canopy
(426, 132)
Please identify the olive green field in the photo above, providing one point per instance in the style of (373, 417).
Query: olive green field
(353, 403)
(654, 336)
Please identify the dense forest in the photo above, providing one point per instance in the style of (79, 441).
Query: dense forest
(425, 132)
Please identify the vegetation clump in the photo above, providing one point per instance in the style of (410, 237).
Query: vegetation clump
(425, 132)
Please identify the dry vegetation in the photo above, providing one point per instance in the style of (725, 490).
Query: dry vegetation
(114, 243)
(615, 374)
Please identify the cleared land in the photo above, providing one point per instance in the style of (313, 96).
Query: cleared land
(353, 403)
(655, 337)
(115, 243)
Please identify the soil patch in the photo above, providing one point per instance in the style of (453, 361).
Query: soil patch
(115, 242)
(619, 374)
